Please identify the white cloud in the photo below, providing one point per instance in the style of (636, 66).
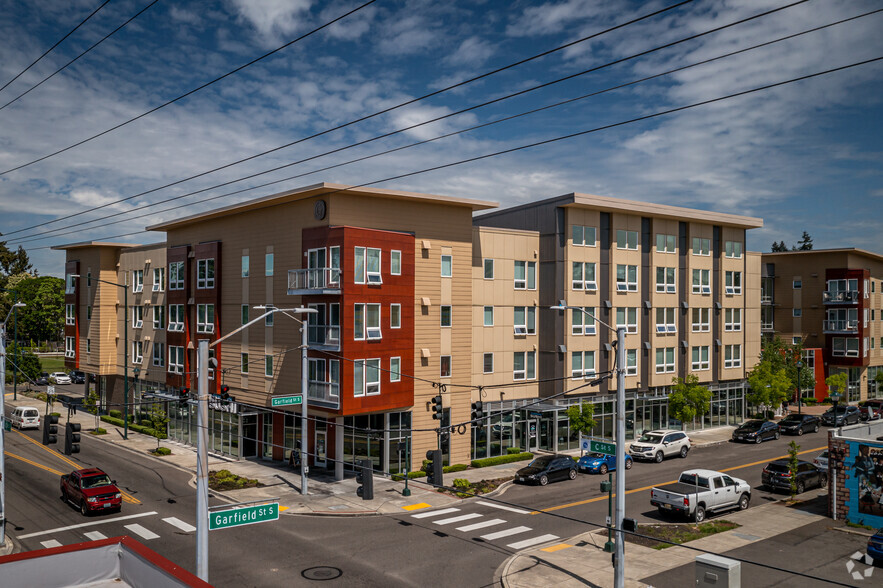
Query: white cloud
(274, 20)
(472, 52)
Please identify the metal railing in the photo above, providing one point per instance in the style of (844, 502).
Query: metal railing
(314, 279)
(840, 326)
(840, 296)
(324, 335)
(326, 393)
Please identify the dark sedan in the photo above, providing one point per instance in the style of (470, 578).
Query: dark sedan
(842, 415)
(42, 379)
(547, 468)
(777, 476)
(77, 377)
(756, 431)
(798, 424)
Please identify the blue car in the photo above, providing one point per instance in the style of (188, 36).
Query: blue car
(875, 546)
(600, 463)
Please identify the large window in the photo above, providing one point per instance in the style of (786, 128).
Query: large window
(701, 320)
(525, 320)
(159, 318)
(176, 275)
(845, 346)
(137, 352)
(366, 321)
(665, 279)
(733, 282)
(137, 280)
(70, 347)
(733, 319)
(733, 249)
(626, 239)
(583, 236)
(583, 276)
(205, 318)
(359, 265)
(159, 354)
(582, 364)
(626, 278)
(176, 317)
(665, 320)
(524, 365)
(666, 243)
(701, 281)
(701, 246)
(665, 360)
(205, 273)
(176, 359)
(525, 275)
(700, 358)
(372, 266)
(137, 316)
(631, 362)
(732, 356)
(583, 323)
(395, 262)
(159, 279)
(70, 314)
(627, 317)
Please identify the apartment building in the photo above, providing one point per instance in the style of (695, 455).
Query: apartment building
(830, 301)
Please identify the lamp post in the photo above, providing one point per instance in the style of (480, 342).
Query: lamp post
(799, 388)
(3, 422)
(125, 288)
(619, 553)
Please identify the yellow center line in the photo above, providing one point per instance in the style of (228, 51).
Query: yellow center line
(602, 497)
(33, 463)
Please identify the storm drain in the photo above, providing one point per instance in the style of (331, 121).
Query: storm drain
(321, 573)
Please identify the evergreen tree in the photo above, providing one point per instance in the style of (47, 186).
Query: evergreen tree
(805, 243)
(779, 247)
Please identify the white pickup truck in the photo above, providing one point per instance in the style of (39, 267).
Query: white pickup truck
(698, 492)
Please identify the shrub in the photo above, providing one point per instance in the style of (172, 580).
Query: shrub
(462, 485)
(457, 467)
(226, 480)
(98, 431)
(117, 414)
(513, 450)
(492, 461)
(411, 475)
(162, 451)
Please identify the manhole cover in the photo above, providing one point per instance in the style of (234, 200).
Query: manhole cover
(321, 573)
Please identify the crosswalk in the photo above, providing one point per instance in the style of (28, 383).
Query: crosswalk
(146, 532)
(496, 529)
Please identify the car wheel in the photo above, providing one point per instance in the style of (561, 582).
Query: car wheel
(743, 502)
(64, 495)
(603, 469)
(776, 436)
(800, 431)
(628, 464)
(684, 451)
(758, 439)
(823, 480)
(800, 487)
(83, 510)
(815, 429)
(544, 479)
(699, 515)
(572, 474)
(659, 457)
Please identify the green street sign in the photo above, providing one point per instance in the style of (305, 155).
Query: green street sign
(287, 400)
(602, 447)
(7, 425)
(247, 515)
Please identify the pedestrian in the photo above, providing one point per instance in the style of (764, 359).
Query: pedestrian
(294, 457)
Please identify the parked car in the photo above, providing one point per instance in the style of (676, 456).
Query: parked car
(42, 379)
(547, 468)
(77, 377)
(657, 445)
(755, 431)
(798, 424)
(841, 415)
(821, 461)
(777, 476)
(91, 490)
(600, 463)
(698, 492)
(59, 378)
(871, 410)
(25, 417)
(875, 546)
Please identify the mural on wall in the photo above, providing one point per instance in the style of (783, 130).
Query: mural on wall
(865, 483)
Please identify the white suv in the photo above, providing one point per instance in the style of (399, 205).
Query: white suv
(657, 445)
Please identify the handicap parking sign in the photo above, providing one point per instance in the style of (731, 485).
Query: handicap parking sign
(584, 445)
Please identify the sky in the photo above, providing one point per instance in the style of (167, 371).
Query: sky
(803, 156)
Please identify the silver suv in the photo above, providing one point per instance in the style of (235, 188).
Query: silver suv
(657, 445)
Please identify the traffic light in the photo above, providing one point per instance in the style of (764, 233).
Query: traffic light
(71, 438)
(225, 395)
(183, 396)
(50, 429)
(477, 411)
(434, 467)
(365, 477)
(437, 409)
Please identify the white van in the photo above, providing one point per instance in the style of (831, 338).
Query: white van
(26, 417)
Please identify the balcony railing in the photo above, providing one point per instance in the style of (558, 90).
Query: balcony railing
(767, 326)
(841, 326)
(316, 280)
(324, 394)
(327, 335)
(840, 296)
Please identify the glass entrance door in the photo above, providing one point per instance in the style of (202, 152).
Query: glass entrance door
(249, 435)
(319, 462)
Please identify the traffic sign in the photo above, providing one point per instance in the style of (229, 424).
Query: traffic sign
(603, 447)
(287, 400)
(248, 515)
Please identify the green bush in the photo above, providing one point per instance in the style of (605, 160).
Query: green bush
(492, 461)
(411, 475)
(513, 450)
(117, 414)
(463, 486)
(457, 467)
(809, 401)
(98, 431)
(162, 451)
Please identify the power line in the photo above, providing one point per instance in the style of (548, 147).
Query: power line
(45, 53)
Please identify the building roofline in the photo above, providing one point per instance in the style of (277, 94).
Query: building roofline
(319, 189)
(856, 250)
(504, 230)
(87, 244)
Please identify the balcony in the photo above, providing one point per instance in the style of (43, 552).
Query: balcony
(324, 394)
(840, 296)
(314, 281)
(841, 326)
(324, 336)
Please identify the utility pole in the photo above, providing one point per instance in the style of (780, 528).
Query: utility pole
(304, 425)
(202, 461)
(619, 554)
(3, 423)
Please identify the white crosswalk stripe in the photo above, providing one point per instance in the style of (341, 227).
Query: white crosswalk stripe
(50, 543)
(458, 519)
(435, 513)
(506, 533)
(95, 535)
(175, 522)
(502, 507)
(532, 542)
(142, 532)
(481, 525)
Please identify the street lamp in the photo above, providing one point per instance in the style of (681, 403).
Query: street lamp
(4, 423)
(125, 288)
(799, 390)
(619, 554)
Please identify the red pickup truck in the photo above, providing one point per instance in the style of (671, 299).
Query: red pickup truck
(91, 490)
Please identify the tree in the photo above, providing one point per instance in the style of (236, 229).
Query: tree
(13, 262)
(770, 386)
(793, 462)
(42, 319)
(837, 384)
(25, 363)
(688, 399)
(158, 420)
(781, 356)
(582, 417)
(805, 243)
(779, 247)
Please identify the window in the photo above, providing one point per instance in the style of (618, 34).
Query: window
(797, 284)
(525, 320)
(159, 355)
(795, 340)
(701, 320)
(137, 317)
(395, 369)
(583, 236)
(796, 312)
(446, 315)
(446, 266)
(70, 285)
(844, 346)
(70, 347)
(89, 312)
(733, 319)
(525, 275)
(626, 278)
(176, 359)
(700, 358)
(268, 264)
(176, 317)
(665, 360)
(372, 321)
(88, 345)
(70, 315)
(244, 314)
(701, 246)
(627, 317)
(631, 362)
(732, 356)
(733, 282)
(582, 364)
(666, 243)
(488, 363)
(395, 316)
(489, 316)
(583, 323)
(395, 262)
(445, 366)
(159, 279)
(488, 269)
(583, 276)
(626, 239)
(359, 322)
(205, 318)
(205, 273)
(701, 281)
(524, 365)
(665, 320)
(243, 363)
(244, 266)
(137, 352)
(269, 319)
(137, 280)
(359, 265)
(372, 266)
(268, 366)
(733, 249)
(665, 279)
(159, 318)
(176, 275)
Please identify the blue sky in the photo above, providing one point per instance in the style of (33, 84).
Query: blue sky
(803, 156)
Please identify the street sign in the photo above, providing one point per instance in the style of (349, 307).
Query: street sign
(50, 390)
(248, 515)
(287, 400)
(602, 447)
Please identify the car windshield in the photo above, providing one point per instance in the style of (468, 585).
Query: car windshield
(792, 418)
(540, 462)
(838, 410)
(751, 425)
(96, 481)
(595, 455)
(694, 480)
(650, 438)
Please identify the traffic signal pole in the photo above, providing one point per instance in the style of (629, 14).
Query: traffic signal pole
(202, 461)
